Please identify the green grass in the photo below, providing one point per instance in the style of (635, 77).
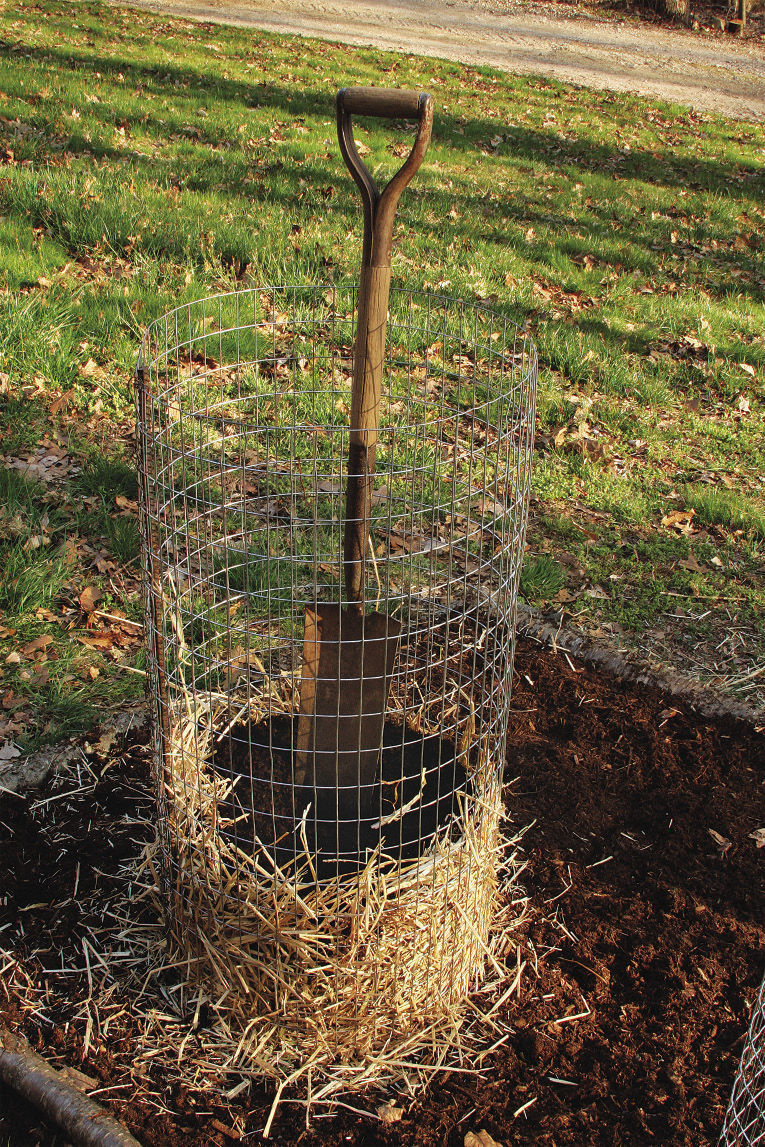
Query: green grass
(30, 579)
(541, 578)
(124, 537)
(727, 509)
(155, 162)
(108, 478)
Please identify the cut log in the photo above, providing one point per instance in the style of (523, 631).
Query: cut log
(33, 1078)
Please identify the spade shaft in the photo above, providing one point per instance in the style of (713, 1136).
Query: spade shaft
(348, 654)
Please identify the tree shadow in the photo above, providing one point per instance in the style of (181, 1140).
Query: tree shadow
(267, 174)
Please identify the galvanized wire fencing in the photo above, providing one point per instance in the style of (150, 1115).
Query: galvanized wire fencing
(745, 1119)
(330, 942)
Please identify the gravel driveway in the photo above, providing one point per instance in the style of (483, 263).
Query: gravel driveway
(709, 72)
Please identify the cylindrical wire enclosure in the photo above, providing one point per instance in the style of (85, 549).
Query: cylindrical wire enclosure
(745, 1118)
(336, 943)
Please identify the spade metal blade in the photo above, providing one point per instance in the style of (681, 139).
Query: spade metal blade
(348, 659)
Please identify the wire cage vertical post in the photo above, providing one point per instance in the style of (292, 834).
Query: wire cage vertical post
(745, 1118)
(330, 942)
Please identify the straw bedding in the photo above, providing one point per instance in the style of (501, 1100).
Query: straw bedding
(333, 983)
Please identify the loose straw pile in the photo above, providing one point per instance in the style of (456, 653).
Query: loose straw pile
(332, 984)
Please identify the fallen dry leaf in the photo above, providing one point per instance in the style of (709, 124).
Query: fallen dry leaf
(37, 646)
(106, 741)
(389, 1113)
(8, 751)
(63, 400)
(89, 598)
(721, 841)
(480, 1139)
(229, 1132)
(13, 658)
(95, 641)
(758, 836)
(88, 369)
(678, 520)
(44, 614)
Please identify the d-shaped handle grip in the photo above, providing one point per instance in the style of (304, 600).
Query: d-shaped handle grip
(388, 103)
(380, 206)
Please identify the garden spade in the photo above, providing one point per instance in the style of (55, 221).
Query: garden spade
(348, 653)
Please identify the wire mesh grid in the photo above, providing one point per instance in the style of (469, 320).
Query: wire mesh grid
(337, 927)
(745, 1118)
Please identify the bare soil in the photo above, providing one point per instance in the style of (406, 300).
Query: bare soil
(645, 922)
(589, 44)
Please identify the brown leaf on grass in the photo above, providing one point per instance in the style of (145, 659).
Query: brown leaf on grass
(405, 541)
(89, 598)
(679, 520)
(13, 658)
(62, 401)
(95, 641)
(35, 387)
(47, 462)
(44, 614)
(38, 645)
(8, 751)
(564, 595)
(88, 369)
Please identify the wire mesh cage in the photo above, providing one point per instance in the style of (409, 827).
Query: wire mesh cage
(745, 1118)
(337, 923)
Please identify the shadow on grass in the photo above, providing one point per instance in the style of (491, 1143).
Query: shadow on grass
(727, 178)
(627, 243)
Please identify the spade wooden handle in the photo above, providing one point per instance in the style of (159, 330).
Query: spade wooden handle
(374, 292)
(388, 103)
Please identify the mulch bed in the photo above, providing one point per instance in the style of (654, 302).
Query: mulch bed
(645, 890)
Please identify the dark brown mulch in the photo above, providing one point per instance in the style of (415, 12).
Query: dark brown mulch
(640, 916)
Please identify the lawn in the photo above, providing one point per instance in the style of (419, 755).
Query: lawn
(146, 162)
